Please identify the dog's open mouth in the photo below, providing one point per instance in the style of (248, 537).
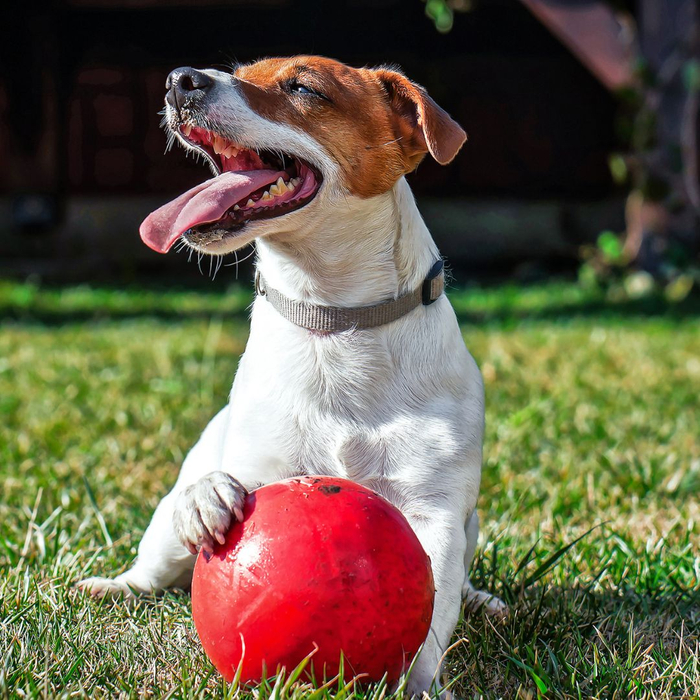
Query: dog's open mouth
(250, 185)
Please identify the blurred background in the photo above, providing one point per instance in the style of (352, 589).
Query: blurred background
(570, 107)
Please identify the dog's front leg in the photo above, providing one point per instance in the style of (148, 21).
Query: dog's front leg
(163, 561)
(443, 538)
(205, 511)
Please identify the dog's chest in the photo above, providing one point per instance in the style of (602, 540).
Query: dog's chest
(339, 398)
(320, 402)
(363, 406)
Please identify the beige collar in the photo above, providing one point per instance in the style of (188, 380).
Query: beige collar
(334, 319)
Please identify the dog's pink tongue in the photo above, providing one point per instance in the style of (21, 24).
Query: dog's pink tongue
(202, 204)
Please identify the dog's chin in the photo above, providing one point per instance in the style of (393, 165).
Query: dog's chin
(218, 239)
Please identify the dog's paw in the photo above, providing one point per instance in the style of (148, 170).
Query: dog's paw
(493, 606)
(99, 587)
(205, 511)
(421, 685)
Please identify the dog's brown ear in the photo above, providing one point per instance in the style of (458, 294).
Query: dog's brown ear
(422, 125)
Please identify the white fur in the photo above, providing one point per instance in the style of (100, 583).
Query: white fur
(398, 408)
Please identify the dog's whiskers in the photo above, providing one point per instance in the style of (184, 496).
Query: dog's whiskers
(381, 145)
(219, 263)
(169, 140)
(238, 261)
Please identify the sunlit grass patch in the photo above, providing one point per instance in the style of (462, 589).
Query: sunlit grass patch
(593, 421)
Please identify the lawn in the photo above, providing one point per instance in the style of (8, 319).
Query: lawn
(593, 432)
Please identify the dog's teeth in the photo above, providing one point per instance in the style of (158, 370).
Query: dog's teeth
(290, 186)
(250, 203)
(218, 145)
(236, 207)
(279, 188)
(186, 129)
(266, 196)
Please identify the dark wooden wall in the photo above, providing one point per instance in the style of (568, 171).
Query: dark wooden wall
(539, 124)
(82, 82)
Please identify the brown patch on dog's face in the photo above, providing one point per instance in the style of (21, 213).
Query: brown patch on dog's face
(376, 124)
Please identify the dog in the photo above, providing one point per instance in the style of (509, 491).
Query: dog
(355, 365)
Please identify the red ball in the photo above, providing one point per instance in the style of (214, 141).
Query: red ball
(316, 561)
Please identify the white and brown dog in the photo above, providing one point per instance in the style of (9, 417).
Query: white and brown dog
(355, 365)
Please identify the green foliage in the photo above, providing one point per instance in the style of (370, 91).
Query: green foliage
(651, 169)
(442, 12)
(592, 422)
(606, 267)
(618, 168)
(691, 75)
(611, 248)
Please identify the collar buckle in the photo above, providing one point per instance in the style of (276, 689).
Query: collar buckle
(433, 284)
(259, 284)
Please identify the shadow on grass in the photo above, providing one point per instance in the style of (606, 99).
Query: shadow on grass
(650, 307)
(564, 640)
(57, 317)
(555, 302)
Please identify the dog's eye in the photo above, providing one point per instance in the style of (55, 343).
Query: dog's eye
(300, 89)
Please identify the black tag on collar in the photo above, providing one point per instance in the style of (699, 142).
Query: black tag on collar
(429, 294)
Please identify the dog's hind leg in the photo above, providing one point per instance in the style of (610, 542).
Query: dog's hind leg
(473, 598)
(163, 561)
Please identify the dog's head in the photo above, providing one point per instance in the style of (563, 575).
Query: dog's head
(287, 137)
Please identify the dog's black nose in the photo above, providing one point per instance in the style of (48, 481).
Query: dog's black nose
(184, 84)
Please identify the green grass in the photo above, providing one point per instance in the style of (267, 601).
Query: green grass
(593, 421)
